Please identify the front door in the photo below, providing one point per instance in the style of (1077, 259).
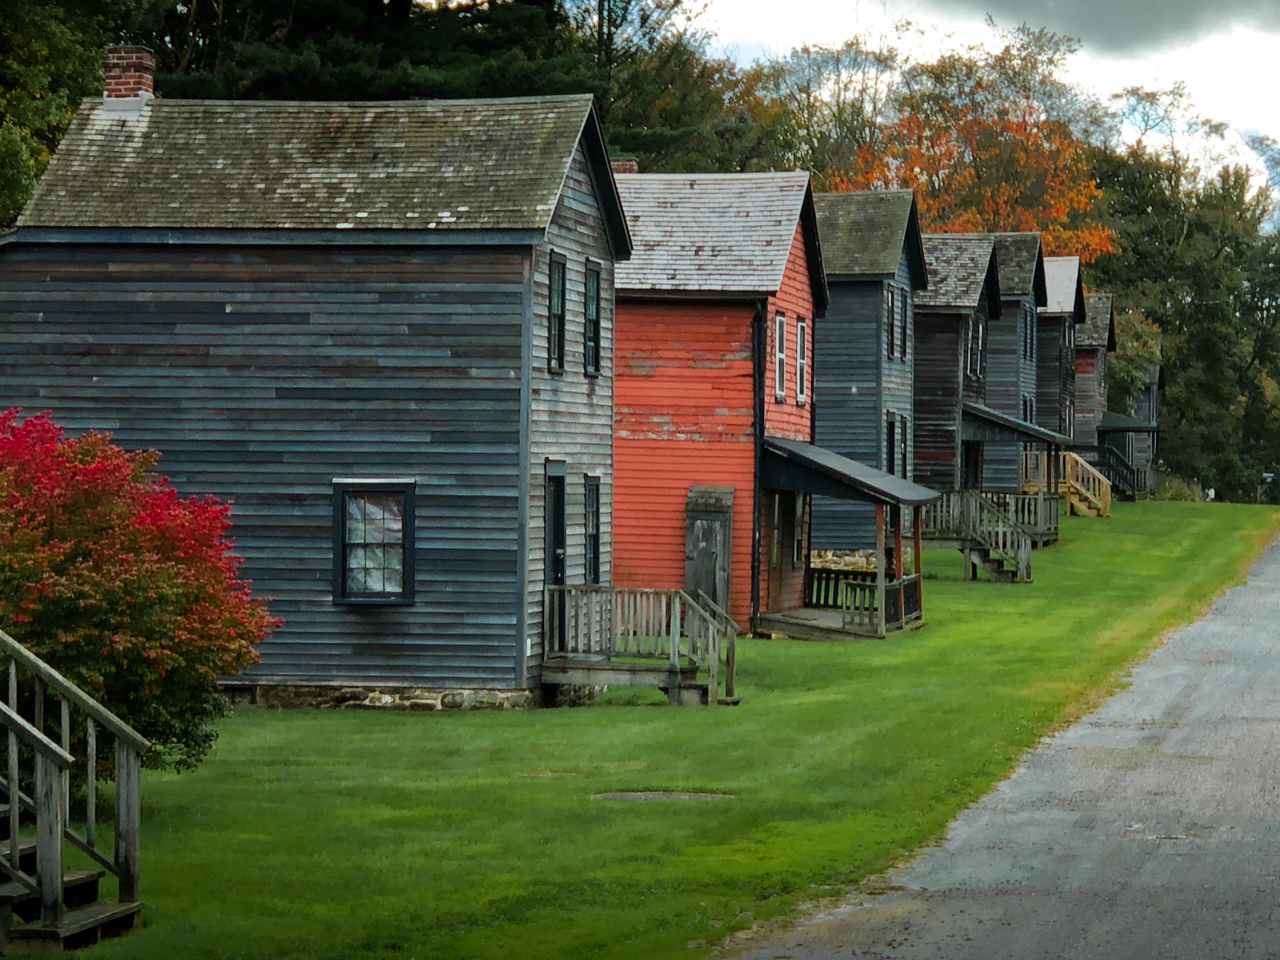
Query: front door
(781, 536)
(708, 521)
(556, 537)
(971, 465)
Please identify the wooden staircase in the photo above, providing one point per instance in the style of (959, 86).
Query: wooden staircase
(1086, 489)
(44, 905)
(987, 536)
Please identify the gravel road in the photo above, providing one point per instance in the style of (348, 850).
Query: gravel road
(1149, 829)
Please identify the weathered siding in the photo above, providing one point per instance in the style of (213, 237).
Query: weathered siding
(1010, 377)
(789, 417)
(263, 373)
(939, 373)
(683, 416)
(851, 354)
(571, 413)
(1091, 392)
(1055, 374)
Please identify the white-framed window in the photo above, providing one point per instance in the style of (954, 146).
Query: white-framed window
(780, 357)
(802, 360)
(891, 326)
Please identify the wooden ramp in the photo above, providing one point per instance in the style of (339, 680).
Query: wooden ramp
(627, 636)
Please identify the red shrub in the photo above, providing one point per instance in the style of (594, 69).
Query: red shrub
(126, 588)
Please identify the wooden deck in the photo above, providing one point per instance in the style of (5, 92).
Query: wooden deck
(811, 623)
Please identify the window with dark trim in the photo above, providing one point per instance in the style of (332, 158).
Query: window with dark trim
(802, 360)
(555, 315)
(591, 312)
(904, 432)
(592, 504)
(797, 535)
(890, 440)
(373, 524)
(891, 331)
(902, 323)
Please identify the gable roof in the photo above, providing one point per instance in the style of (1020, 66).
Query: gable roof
(865, 234)
(407, 166)
(1021, 265)
(725, 233)
(1099, 327)
(1064, 288)
(960, 267)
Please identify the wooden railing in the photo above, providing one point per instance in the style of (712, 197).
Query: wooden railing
(30, 678)
(824, 588)
(729, 631)
(1077, 479)
(1113, 465)
(1035, 512)
(969, 516)
(631, 623)
(854, 593)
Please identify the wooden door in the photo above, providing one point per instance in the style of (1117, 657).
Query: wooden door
(556, 540)
(781, 534)
(971, 465)
(707, 556)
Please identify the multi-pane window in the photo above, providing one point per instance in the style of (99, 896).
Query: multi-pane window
(802, 360)
(592, 503)
(780, 357)
(890, 440)
(891, 329)
(373, 541)
(555, 319)
(901, 320)
(904, 431)
(591, 313)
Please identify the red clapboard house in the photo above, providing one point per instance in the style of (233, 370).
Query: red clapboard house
(713, 464)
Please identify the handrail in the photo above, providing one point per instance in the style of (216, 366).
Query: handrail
(718, 610)
(998, 532)
(42, 744)
(51, 677)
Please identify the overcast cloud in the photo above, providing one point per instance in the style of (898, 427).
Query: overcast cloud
(1125, 26)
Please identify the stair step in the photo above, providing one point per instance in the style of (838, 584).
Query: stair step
(80, 927)
(26, 854)
(79, 888)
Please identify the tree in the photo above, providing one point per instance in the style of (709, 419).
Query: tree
(126, 588)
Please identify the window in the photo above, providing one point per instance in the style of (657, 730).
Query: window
(555, 320)
(592, 502)
(890, 440)
(904, 429)
(802, 360)
(969, 350)
(780, 357)
(591, 312)
(797, 538)
(902, 323)
(891, 327)
(373, 541)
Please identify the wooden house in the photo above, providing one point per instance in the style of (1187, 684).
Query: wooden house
(1094, 340)
(864, 348)
(382, 331)
(714, 468)
(1056, 328)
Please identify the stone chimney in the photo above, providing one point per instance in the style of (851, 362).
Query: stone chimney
(128, 73)
(625, 165)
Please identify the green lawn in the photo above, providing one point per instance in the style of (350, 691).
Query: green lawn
(361, 835)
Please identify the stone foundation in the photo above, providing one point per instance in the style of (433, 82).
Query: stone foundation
(380, 698)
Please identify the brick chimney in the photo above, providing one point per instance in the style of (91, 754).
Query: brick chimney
(128, 72)
(625, 165)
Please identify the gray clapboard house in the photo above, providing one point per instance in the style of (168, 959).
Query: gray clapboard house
(1056, 326)
(864, 349)
(1095, 339)
(382, 331)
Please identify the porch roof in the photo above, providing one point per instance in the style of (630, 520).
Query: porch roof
(1118, 423)
(979, 422)
(805, 468)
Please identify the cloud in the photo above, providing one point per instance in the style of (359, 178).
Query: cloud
(1124, 26)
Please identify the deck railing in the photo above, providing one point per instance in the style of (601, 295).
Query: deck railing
(854, 593)
(1077, 479)
(1035, 512)
(629, 623)
(33, 681)
(1113, 465)
(970, 517)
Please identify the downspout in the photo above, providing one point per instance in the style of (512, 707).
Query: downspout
(758, 321)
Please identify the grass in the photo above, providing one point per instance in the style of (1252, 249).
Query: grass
(364, 835)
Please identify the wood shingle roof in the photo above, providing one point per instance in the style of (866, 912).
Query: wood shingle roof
(440, 165)
(1098, 329)
(711, 233)
(959, 266)
(1021, 265)
(865, 233)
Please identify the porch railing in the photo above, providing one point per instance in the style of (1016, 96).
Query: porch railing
(1035, 512)
(854, 593)
(1077, 479)
(34, 682)
(969, 516)
(631, 623)
(1113, 465)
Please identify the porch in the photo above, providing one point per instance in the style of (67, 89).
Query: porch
(1086, 490)
(841, 604)
(600, 635)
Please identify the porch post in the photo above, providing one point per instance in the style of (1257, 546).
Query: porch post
(880, 561)
(916, 516)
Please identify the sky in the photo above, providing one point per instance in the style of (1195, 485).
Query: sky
(1225, 51)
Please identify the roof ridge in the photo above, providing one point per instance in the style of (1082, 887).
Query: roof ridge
(357, 104)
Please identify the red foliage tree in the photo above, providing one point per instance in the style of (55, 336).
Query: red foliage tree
(123, 586)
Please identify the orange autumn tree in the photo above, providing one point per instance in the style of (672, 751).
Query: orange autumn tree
(994, 141)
